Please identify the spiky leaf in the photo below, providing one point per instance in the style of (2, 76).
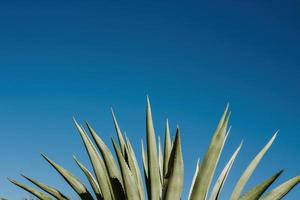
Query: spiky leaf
(208, 165)
(36, 193)
(257, 191)
(280, 191)
(77, 186)
(153, 169)
(174, 177)
(50, 190)
(91, 179)
(97, 163)
(222, 178)
(131, 190)
(250, 169)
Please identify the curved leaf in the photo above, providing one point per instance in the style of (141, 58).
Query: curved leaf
(90, 178)
(135, 168)
(280, 191)
(77, 186)
(222, 178)
(167, 148)
(110, 164)
(50, 190)
(174, 177)
(119, 133)
(256, 192)
(97, 163)
(153, 169)
(36, 193)
(131, 190)
(208, 165)
(160, 161)
(248, 172)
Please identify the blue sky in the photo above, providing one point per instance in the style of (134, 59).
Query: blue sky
(60, 59)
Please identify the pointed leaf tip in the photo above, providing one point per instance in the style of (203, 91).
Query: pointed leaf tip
(148, 102)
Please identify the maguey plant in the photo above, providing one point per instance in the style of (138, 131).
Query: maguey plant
(118, 177)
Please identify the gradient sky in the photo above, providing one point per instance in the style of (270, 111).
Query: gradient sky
(60, 59)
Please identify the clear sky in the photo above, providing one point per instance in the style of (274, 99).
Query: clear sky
(60, 59)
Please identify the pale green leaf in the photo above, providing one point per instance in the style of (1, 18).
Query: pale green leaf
(110, 164)
(97, 164)
(90, 178)
(50, 190)
(160, 161)
(119, 133)
(153, 168)
(175, 174)
(282, 190)
(34, 192)
(256, 192)
(167, 148)
(131, 189)
(135, 168)
(77, 186)
(222, 177)
(208, 165)
(250, 169)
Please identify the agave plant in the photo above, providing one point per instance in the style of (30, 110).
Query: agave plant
(163, 169)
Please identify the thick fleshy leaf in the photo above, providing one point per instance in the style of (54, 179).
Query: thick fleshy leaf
(98, 165)
(119, 133)
(175, 174)
(167, 148)
(256, 192)
(109, 160)
(135, 168)
(91, 179)
(131, 189)
(153, 168)
(222, 178)
(208, 165)
(77, 186)
(282, 190)
(145, 158)
(250, 169)
(145, 167)
(50, 190)
(34, 192)
(194, 178)
(110, 164)
(160, 161)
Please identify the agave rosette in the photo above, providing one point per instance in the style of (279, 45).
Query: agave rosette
(119, 177)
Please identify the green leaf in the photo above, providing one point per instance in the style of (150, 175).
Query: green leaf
(110, 164)
(134, 167)
(77, 186)
(208, 165)
(256, 192)
(36, 193)
(145, 158)
(119, 133)
(167, 148)
(250, 169)
(194, 179)
(145, 167)
(160, 161)
(131, 189)
(175, 175)
(97, 164)
(50, 190)
(90, 178)
(280, 191)
(222, 177)
(153, 168)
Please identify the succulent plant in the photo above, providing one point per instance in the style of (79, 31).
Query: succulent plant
(163, 169)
